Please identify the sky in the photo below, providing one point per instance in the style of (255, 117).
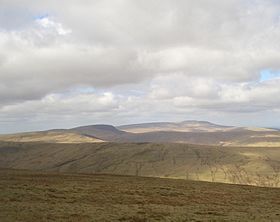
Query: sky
(70, 63)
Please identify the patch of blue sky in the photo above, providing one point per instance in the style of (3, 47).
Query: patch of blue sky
(85, 90)
(80, 90)
(268, 74)
(42, 16)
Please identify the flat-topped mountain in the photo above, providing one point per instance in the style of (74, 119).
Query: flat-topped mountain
(104, 132)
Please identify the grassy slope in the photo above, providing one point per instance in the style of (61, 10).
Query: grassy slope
(34, 196)
(50, 137)
(255, 166)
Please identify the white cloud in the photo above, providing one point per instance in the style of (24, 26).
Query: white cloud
(48, 24)
(154, 60)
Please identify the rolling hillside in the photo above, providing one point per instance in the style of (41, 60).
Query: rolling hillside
(240, 165)
(201, 132)
(53, 136)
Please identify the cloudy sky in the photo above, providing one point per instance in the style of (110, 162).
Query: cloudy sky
(69, 63)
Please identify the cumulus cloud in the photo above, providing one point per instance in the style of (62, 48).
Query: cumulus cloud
(142, 60)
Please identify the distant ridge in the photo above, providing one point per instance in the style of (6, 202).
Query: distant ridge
(189, 131)
(184, 126)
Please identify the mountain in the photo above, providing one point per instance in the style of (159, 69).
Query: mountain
(196, 150)
(185, 126)
(239, 165)
(241, 137)
(104, 132)
(194, 132)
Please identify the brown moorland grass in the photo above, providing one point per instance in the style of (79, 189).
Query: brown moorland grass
(37, 196)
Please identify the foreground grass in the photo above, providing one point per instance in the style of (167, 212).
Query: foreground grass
(35, 196)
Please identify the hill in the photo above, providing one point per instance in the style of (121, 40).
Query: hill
(195, 132)
(240, 165)
(185, 126)
(52, 136)
(201, 132)
(105, 132)
(36, 196)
